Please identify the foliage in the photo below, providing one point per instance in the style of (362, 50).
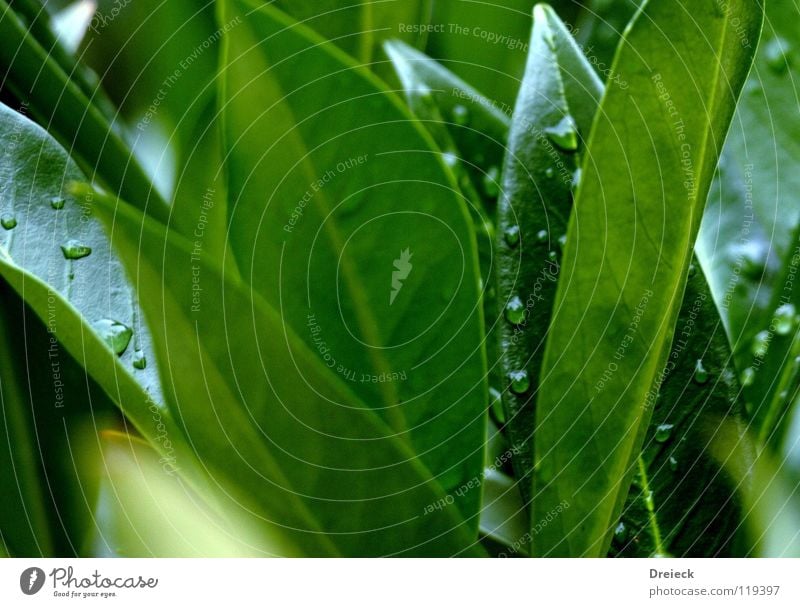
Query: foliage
(397, 279)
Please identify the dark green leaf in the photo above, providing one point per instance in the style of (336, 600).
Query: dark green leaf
(471, 131)
(360, 26)
(58, 102)
(630, 239)
(473, 124)
(485, 43)
(682, 502)
(559, 91)
(51, 411)
(344, 217)
(291, 444)
(24, 523)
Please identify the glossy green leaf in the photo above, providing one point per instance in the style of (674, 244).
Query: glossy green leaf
(471, 131)
(559, 88)
(294, 448)
(683, 502)
(345, 219)
(758, 283)
(629, 245)
(77, 297)
(70, 113)
(475, 125)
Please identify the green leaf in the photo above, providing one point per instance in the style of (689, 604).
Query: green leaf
(345, 219)
(475, 125)
(471, 131)
(769, 488)
(503, 518)
(682, 502)
(758, 285)
(43, 29)
(76, 297)
(69, 112)
(631, 234)
(24, 523)
(51, 410)
(291, 444)
(559, 88)
(734, 248)
(200, 203)
(360, 27)
(599, 27)
(485, 43)
(159, 63)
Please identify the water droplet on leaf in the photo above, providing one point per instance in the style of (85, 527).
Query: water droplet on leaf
(564, 134)
(700, 373)
(450, 159)
(75, 250)
(777, 55)
(576, 178)
(511, 235)
(542, 236)
(761, 344)
(748, 377)
(520, 382)
(673, 463)
(664, 432)
(115, 334)
(496, 404)
(9, 222)
(620, 533)
(515, 311)
(490, 182)
(57, 203)
(785, 319)
(139, 360)
(550, 172)
(460, 115)
(562, 241)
